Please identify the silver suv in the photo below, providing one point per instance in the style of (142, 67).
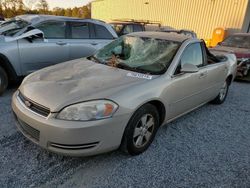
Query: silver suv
(32, 42)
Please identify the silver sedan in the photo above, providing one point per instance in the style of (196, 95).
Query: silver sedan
(119, 97)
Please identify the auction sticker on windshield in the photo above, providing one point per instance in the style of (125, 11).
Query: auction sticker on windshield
(137, 75)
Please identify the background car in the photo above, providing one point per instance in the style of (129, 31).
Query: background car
(239, 44)
(120, 96)
(124, 27)
(31, 42)
(181, 32)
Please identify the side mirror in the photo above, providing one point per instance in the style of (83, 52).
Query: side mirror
(34, 33)
(189, 68)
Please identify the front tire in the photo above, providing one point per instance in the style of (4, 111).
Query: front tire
(141, 130)
(223, 94)
(3, 80)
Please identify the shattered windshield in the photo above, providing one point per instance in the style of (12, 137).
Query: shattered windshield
(146, 55)
(237, 41)
(13, 26)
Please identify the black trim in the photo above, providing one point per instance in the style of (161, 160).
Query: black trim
(92, 31)
(248, 29)
(204, 53)
(68, 30)
(5, 63)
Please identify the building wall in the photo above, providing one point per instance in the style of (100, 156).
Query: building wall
(202, 16)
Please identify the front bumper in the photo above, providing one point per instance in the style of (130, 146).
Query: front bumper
(69, 137)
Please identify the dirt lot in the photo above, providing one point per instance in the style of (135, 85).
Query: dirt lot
(209, 147)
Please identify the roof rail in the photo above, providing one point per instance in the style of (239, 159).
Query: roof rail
(144, 22)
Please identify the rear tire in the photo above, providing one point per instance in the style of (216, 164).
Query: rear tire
(141, 130)
(3, 80)
(223, 94)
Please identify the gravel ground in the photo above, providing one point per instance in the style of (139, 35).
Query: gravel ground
(209, 147)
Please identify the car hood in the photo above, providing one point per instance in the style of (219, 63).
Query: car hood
(239, 52)
(2, 39)
(6, 39)
(77, 81)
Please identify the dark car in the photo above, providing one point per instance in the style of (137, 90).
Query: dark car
(124, 27)
(239, 44)
(185, 32)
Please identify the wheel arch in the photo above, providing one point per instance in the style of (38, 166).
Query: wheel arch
(230, 79)
(159, 106)
(6, 65)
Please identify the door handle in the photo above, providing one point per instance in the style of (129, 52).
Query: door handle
(60, 43)
(93, 44)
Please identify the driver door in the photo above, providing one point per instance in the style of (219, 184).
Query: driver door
(188, 90)
(40, 52)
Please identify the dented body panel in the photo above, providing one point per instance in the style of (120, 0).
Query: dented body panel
(83, 80)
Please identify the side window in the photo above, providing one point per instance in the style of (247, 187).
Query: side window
(102, 33)
(128, 29)
(79, 30)
(191, 55)
(137, 28)
(53, 29)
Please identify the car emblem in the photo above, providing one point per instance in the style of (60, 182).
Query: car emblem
(27, 103)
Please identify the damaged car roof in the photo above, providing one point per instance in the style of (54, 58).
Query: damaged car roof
(161, 35)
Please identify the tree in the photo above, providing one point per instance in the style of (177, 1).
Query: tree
(11, 8)
(68, 12)
(43, 6)
(75, 12)
(20, 7)
(85, 12)
(1, 9)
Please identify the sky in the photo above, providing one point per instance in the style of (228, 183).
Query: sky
(67, 3)
(61, 3)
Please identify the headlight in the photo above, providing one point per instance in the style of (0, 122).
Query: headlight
(92, 110)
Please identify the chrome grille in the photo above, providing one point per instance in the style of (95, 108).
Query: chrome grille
(37, 108)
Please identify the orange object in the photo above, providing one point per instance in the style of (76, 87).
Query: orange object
(219, 35)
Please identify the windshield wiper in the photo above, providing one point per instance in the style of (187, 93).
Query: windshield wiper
(136, 69)
(95, 59)
(10, 31)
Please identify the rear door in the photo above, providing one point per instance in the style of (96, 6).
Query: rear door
(80, 43)
(101, 36)
(41, 53)
(216, 74)
(86, 38)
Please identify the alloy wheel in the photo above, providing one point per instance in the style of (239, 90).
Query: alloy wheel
(223, 91)
(143, 130)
